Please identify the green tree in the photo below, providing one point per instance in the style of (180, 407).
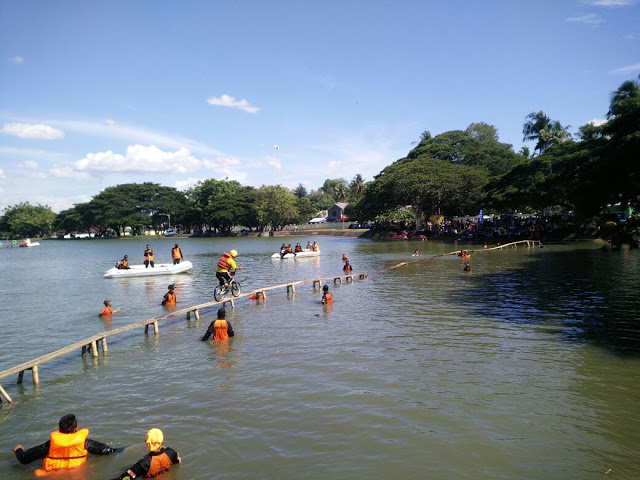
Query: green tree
(26, 220)
(356, 187)
(544, 131)
(276, 206)
(300, 191)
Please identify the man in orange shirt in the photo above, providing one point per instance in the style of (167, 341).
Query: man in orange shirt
(220, 326)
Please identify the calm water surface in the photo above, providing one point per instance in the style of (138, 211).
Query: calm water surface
(528, 367)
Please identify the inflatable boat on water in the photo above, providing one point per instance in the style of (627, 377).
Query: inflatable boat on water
(142, 271)
(302, 254)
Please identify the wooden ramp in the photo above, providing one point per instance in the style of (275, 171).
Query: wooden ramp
(93, 343)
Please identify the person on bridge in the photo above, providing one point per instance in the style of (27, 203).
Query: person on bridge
(148, 257)
(158, 461)
(176, 254)
(107, 311)
(66, 448)
(169, 297)
(227, 262)
(220, 328)
(327, 298)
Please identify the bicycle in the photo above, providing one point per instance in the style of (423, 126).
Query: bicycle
(222, 291)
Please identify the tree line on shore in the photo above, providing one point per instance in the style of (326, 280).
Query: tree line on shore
(454, 173)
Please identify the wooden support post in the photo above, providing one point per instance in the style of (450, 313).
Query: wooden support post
(36, 377)
(155, 327)
(146, 328)
(292, 288)
(4, 394)
(84, 350)
(104, 344)
(189, 315)
(20, 377)
(196, 314)
(264, 295)
(94, 348)
(318, 282)
(233, 304)
(348, 278)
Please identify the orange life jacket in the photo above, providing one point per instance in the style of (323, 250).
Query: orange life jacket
(106, 311)
(66, 450)
(125, 263)
(327, 298)
(223, 262)
(220, 328)
(176, 252)
(148, 255)
(159, 465)
(170, 299)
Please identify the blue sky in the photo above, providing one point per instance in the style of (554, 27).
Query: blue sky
(95, 94)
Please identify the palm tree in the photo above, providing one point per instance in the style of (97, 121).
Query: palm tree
(356, 187)
(544, 131)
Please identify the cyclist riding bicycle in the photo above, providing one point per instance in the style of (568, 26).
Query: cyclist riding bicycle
(227, 262)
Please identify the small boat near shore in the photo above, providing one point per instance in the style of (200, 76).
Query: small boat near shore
(142, 271)
(28, 243)
(302, 254)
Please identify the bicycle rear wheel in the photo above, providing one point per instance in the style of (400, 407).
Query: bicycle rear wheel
(219, 292)
(235, 288)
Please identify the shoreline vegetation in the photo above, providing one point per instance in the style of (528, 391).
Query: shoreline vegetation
(580, 184)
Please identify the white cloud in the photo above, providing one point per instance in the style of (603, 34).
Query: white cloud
(111, 129)
(188, 183)
(17, 60)
(30, 130)
(3, 179)
(58, 204)
(596, 122)
(28, 164)
(269, 161)
(611, 3)
(231, 102)
(587, 19)
(140, 158)
(628, 69)
(335, 164)
(68, 172)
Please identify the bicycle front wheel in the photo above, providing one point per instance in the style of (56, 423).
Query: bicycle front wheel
(235, 289)
(219, 292)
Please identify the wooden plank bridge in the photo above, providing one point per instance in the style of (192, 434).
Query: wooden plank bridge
(93, 343)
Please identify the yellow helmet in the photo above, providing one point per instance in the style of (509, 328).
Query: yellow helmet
(233, 253)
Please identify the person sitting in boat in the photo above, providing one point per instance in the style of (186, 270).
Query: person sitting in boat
(67, 448)
(227, 262)
(308, 247)
(176, 254)
(416, 253)
(327, 298)
(158, 461)
(107, 311)
(298, 248)
(169, 297)
(467, 267)
(148, 257)
(123, 264)
(221, 327)
(315, 247)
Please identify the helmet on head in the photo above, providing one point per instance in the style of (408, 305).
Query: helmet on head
(233, 253)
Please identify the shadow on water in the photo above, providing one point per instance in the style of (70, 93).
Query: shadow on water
(579, 295)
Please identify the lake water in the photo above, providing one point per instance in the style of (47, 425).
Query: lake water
(528, 367)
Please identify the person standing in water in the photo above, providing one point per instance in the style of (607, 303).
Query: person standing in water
(221, 327)
(148, 257)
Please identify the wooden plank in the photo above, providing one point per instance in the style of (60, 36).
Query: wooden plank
(3, 393)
